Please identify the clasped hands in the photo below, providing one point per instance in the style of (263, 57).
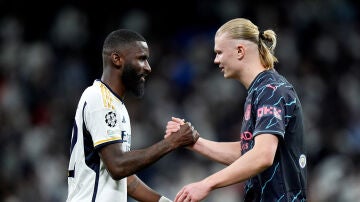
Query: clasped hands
(176, 125)
(196, 191)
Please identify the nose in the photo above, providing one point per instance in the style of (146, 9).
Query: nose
(216, 60)
(147, 68)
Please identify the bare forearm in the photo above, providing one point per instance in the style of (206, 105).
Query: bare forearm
(138, 190)
(121, 164)
(133, 161)
(250, 164)
(222, 152)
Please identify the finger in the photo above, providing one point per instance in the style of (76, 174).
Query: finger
(181, 121)
(173, 122)
(196, 135)
(183, 197)
(173, 125)
(171, 130)
(191, 127)
(178, 195)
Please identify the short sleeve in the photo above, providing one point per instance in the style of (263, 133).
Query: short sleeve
(270, 108)
(102, 123)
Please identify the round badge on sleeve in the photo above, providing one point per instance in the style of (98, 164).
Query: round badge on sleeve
(302, 161)
(110, 119)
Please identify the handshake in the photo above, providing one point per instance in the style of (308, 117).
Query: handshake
(181, 133)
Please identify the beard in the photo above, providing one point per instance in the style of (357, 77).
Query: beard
(132, 81)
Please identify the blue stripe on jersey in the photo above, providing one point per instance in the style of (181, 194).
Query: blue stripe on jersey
(92, 158)
(71, 173)
(272, 176)
(74, 137)
(295, 197)
(280, 198)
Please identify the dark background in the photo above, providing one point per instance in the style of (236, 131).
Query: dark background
(50, 51)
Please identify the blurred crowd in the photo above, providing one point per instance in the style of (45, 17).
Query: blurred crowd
(47, 61)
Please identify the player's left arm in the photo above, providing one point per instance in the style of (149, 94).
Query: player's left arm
(138, 190)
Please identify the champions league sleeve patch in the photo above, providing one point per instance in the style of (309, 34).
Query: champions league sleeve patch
(110, 119)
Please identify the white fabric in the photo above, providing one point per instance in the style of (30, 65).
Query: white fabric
(164, 199)
(105, 117)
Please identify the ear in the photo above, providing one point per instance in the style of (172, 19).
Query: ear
(240, 51)
(117, 60)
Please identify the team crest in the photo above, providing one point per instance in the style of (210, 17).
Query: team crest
(110, 119)
(302, 161)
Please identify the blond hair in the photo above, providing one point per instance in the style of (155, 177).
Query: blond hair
(241, 28)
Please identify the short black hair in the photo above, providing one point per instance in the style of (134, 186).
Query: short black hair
(119, 38)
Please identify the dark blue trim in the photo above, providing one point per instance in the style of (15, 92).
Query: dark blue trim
(96, 185)
(71, 173)
(92, 158)
(100, 146)
(74, 137)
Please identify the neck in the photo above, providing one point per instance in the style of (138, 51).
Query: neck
(250, 73)
(252, 77)
(112, 80)
(251, 66)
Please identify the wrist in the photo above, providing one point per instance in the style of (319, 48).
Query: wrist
(196, 145)
(209, 183)
(169, 144)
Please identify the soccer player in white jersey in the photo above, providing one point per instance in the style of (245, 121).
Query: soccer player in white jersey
(102, 167)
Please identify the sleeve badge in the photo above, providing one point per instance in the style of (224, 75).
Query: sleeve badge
(110, 119)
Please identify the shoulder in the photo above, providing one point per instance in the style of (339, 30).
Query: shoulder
(272, 86)
(273, 81)
(92, 95)
(92, 92)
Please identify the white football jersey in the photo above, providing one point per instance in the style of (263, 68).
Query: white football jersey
(101, 119)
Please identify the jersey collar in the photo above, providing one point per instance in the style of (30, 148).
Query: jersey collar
(108, 87)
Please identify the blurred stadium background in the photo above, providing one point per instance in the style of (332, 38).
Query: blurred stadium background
(50, 51)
